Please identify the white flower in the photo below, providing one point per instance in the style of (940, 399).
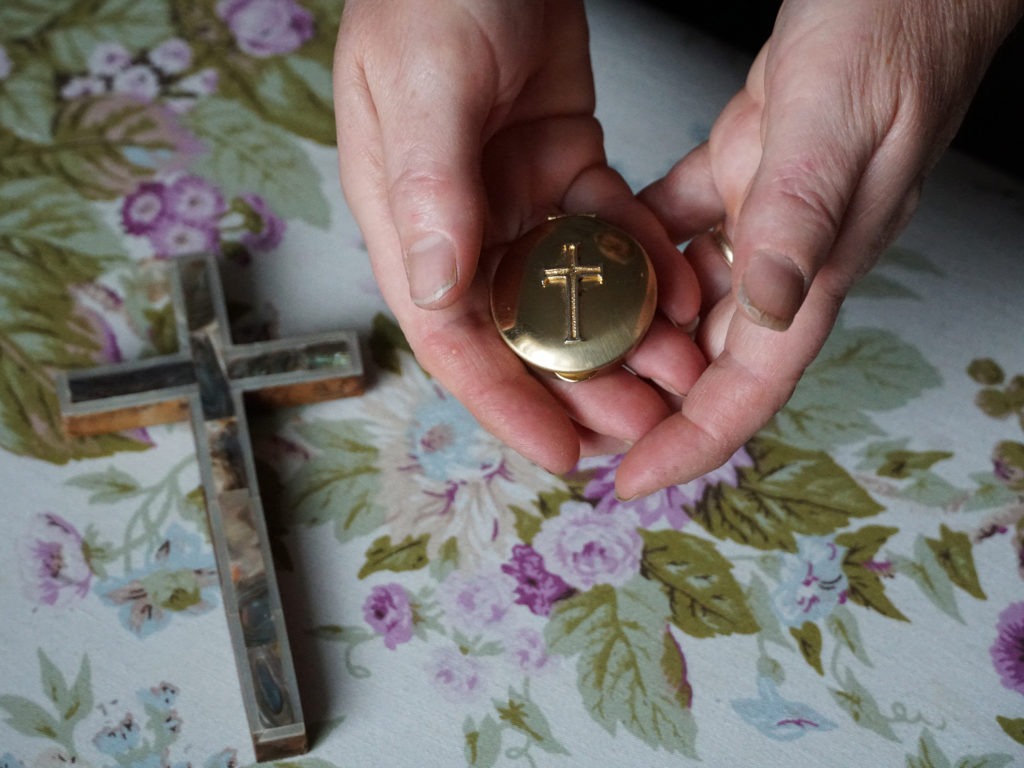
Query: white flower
(441, 474)
(108, 59)
(172, 57)
(139, 81)
(77, 87)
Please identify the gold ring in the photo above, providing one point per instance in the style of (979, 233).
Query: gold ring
(718, 235)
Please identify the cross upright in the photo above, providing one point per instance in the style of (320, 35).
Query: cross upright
(571, 278)
(204, 381)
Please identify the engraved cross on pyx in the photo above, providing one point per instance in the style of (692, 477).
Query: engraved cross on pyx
(571, 278)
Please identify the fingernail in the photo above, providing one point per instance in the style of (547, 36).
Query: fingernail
(668, 387)
(430, 266)
(772, 290)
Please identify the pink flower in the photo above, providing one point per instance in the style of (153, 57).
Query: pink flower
(585, 547)
(139, 82)
(53, 561)
(388, 612)
(459, 677)
(172, 56)
(145, 208)
(537, 588)
(178, 238)
(528, 652)
(108, 59)
(265, 28)
(478, 602)
(194, 200)
(271, 226)
(1008, 649)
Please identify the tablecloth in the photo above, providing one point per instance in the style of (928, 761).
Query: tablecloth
(845, 591)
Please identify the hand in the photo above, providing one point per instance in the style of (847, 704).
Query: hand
(814, 167)
(461, 125)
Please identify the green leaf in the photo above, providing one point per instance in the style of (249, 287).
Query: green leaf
(54, 685)
(619, 636)
(934, 582)
(80, 698)
(704, 597)
(407, 555)
(986, 371)
(106, 487)
(522, 714)
(338, 484)
(50, 240)
(28, 718)
(864, 583)
(446, 560)
(953, 550)
(87, 23)
(842, 624)
(28, 100)
(482, 742)
(989, 493)
(295, 93)
(808, 640)
(929, 754)
(901, 464)
(246, 154)
(103, 146)
(1013, 727)
(931, 490)
(860, 705)
(875, 285)
(910, 260)
(526, 525)
(789, 491)
(386, 341)
(990, 760)
(22, 18)
(859, 370)
(760, 601)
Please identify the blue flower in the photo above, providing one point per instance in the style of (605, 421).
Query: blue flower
(227, 758)
(160, 697)
(119, 739)
(7, 760)
(778, 718)
(180, 577)
(813, 582)
(443, 437)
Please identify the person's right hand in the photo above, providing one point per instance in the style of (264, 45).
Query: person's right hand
(461, 125)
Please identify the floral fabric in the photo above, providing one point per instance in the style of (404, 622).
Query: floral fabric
(845, 590)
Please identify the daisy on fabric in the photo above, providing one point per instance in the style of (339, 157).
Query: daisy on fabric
(441, 474)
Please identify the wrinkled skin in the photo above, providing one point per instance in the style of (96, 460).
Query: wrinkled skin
(463, 123)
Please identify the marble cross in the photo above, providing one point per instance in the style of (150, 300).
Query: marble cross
(205, 382)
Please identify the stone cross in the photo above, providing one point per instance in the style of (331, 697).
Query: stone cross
(205, 382)
(570, 278)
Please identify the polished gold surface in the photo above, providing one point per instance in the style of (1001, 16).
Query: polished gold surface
(573, 295)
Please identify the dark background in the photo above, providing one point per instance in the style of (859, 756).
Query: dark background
(992, 132)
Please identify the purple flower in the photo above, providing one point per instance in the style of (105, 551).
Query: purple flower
(172, 56)
(585, 547)
(145, 208)
(538, 589)
(459, 676)
(178, 238)
(265, 28)
(526, 650)
(53, 561)
(388, 611)
(271, 226)
(108, 59)
(478, 602)
(813, 582)
(139, 81)
(5, 64)
(668, 503)
(79, 87)
(1008, 649)
(194, 200)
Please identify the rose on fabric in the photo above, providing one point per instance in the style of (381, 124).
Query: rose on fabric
(458, 676)
(53, 561)
(526, 650)
(585, 547)
(537, 588)
(264, 28)
(813, 582)
(1008, 649)
(389, 613)
(476, 602)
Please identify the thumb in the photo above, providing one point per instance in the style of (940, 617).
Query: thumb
(811, 166)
